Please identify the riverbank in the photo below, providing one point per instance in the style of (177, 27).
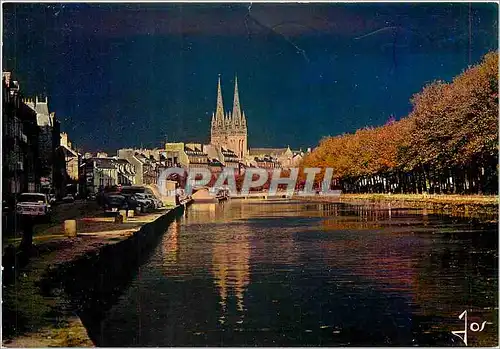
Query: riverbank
(471, 206)
(39, 311)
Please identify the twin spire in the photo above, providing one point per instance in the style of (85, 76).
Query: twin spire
(236, 118)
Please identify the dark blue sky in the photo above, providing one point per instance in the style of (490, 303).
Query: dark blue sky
(126, 75)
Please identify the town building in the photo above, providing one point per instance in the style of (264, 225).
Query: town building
(185, 155)
(149, 153)
(130, 156)
(175, 155)
(150, 168)
(147, 163)
(196, 156)
(229, 130)
(125, 173)
(98, 173)
(228, 147)
(281, 156)
(21, 166)
(285, 157)
(51, 157)
(266, 162)
(71, 156)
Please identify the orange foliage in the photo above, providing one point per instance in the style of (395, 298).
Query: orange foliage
(451, 125)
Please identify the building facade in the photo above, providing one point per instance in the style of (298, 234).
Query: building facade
(20, 132)
(98, 173)
(229, 130)
(129, 155)
(72, 158)
(51, 155)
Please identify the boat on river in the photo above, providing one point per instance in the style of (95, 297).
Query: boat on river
(210, 195)
(222, 194)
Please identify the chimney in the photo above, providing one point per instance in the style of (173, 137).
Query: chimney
(64, 139)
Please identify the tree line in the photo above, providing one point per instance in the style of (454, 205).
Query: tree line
(447, 144)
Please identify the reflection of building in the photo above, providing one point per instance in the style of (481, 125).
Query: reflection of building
(231, 267)
(170, 244)
(204, 210)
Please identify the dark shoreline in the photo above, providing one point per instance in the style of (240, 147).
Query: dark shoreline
(483, 208)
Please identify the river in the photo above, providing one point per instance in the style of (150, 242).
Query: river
(257, 273)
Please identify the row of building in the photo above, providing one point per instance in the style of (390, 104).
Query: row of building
(32, 159)
(227, 148)
(143, 166)
(38, 157)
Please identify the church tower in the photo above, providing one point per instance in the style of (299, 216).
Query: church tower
(217, 131)
(230, 130)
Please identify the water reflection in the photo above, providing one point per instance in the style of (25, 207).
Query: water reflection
(170, 245)
(231, 268)
(294, 273)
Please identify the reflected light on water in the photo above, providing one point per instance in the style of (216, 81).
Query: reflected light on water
(170, 245)
(231, 267)
(294, 273)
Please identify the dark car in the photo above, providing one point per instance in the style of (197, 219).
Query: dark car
(68, 198)
(144, 203)
(113, 202)
(135, 194)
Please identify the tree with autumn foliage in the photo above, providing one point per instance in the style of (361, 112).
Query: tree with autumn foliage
(448, 143)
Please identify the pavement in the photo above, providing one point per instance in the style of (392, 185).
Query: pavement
(60, 212)
(90, 219)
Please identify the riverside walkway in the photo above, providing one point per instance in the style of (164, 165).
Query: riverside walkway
(33, 318)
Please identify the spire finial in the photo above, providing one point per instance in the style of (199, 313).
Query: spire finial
(236, 102)
(219, 112)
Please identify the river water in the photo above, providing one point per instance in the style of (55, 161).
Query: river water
(253, 273)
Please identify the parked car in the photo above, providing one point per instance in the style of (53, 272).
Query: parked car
(33, 204)
(144, 203)
(113, 202)
(68, 198)
(141, 195)
(157, 202)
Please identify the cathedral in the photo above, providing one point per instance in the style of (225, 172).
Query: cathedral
(229, 130)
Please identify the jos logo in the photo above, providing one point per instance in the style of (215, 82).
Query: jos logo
(474, 327)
